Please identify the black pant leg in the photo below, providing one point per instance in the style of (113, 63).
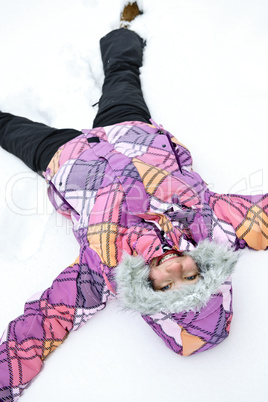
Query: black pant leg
(122, 98)
(34, 143)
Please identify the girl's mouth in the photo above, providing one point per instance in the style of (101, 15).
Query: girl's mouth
(168, 255)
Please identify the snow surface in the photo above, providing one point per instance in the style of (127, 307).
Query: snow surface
(205, 79)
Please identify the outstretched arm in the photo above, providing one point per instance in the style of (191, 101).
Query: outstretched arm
(74, 297)
(247, 214)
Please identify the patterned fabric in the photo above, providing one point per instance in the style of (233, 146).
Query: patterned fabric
(134, 192)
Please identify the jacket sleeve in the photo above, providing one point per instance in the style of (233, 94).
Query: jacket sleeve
(74, 297)
(248, 214)
(193, 332)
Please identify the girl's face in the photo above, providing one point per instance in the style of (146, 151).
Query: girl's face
(171, 270)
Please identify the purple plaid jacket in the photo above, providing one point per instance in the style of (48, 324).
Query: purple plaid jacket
(132, 189)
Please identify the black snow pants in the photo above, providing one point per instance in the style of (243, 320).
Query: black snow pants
(122, 100)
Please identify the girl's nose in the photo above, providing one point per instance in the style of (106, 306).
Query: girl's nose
(174, 268)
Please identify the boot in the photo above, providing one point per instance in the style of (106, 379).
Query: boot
(129, 13)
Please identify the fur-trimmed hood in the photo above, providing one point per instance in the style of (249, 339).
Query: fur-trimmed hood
(215, 262)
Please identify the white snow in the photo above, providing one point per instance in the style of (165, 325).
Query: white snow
(205, 79)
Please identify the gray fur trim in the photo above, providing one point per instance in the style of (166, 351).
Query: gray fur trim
(216, 262)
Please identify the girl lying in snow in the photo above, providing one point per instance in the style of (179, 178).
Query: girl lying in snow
(149, 229)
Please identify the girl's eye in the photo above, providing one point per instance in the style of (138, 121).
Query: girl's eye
(164, 288)
(191, 278)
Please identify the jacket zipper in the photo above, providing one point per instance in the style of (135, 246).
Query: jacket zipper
(161, 130)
